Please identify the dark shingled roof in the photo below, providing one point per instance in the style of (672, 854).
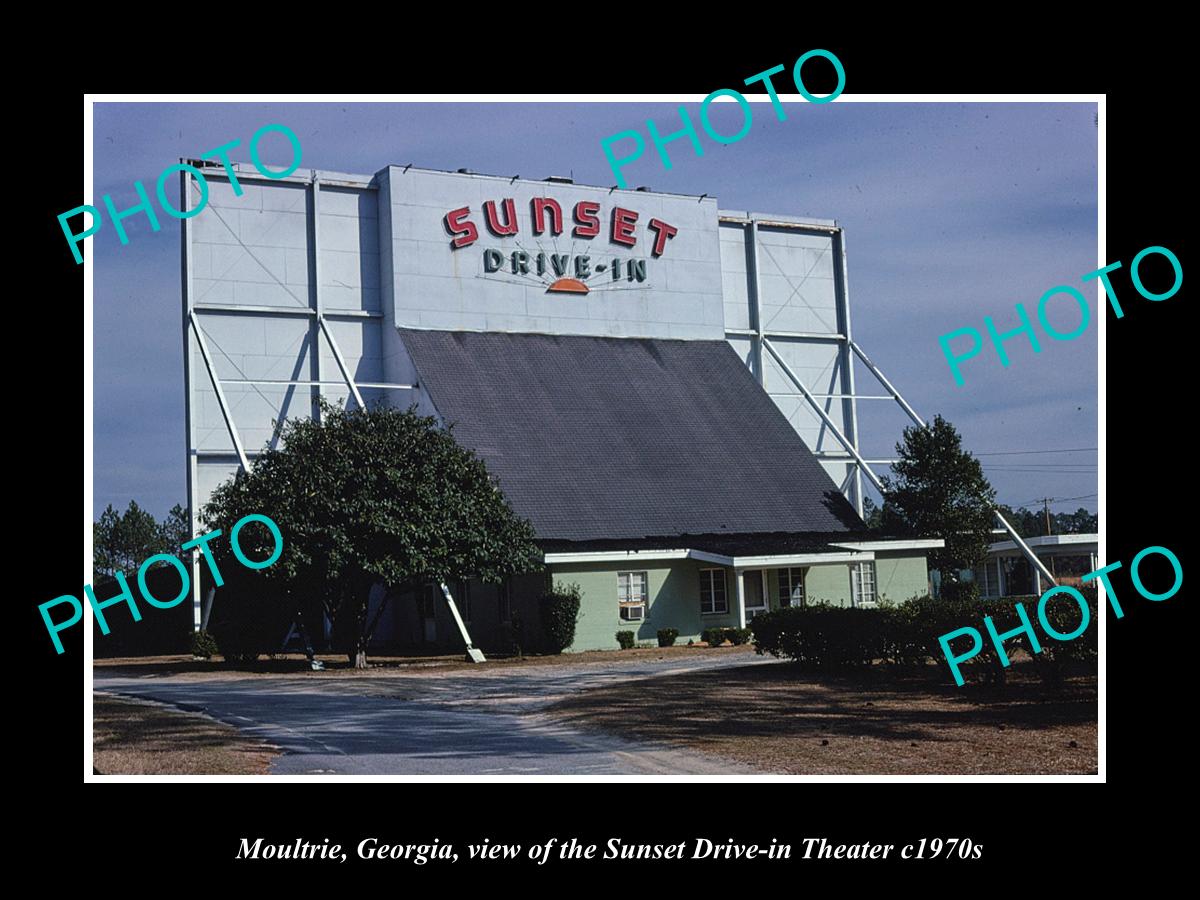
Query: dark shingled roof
(597, 438)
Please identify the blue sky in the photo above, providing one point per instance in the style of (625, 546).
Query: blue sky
(952, 212)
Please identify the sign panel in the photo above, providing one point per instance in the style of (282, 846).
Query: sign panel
(480, 253)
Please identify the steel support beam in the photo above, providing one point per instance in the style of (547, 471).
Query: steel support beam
(337, 354)
(786, 335)
(849, 396)
(829, 423)
(1032, 557)
(1038, 565)
(849, 406)
(314, 328)
(185, 241)
(473, 653)
(755, 285)
(277, 311)
(281, 382)
(226, 412)
(912, 414)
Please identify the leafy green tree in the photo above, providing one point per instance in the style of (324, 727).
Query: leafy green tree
(939, 490)
(371, 496)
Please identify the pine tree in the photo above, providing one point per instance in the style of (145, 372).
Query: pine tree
(939, 490)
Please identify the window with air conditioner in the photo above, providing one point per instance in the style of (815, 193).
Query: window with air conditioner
(632, 595)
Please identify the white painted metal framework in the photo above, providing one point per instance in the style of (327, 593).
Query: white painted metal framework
(195, 336)
(764, 339)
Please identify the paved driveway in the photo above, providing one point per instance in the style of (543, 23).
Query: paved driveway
(486, 721)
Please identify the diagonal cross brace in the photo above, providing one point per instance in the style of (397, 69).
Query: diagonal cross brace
(1025, 549)
(473, 653)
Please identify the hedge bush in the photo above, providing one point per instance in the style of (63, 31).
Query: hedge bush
(715, 637)
(250, 616)
(739, 636)
(625, 639)
(204, 645)
(666, 636)
(820, 636)
(559, 611)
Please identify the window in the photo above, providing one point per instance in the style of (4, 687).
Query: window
(791, 587)
(862, 583)
(632, 595)
(504, 600)
(712, 592)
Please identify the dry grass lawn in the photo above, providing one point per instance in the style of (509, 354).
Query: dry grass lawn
(132, 737)
(880, 721)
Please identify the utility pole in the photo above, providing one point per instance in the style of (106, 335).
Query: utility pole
(1049, 531)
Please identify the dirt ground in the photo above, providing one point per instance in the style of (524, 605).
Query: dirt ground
(879, 721)
(132, 737)
(337, 665)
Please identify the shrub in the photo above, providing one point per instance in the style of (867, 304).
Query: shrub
(250, 616)
(715, 637)
(625, 639)
(1064, 616)
(739, 636)
(204, 645)
(822, 636)
(666, 636)
(559, 611)
(960, 591)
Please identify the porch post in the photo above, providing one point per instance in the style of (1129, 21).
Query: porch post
(741, 597)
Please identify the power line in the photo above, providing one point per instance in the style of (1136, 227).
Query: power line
(1055, 499)
(1042, 465)
(1034, 470)
(1019, 452)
